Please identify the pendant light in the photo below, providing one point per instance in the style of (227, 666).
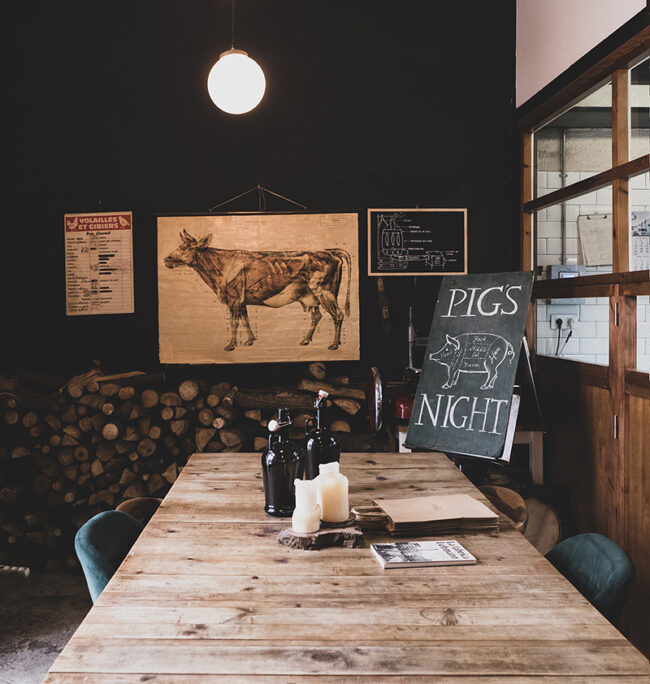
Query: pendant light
(236, 82)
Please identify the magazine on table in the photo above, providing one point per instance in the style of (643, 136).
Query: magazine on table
(417, 554)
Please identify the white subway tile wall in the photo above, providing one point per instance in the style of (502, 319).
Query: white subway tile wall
(640, 192)
(549, 223)
(643, 334)
(640, 98)
(589, 339)
(590, 333)
(582, 152)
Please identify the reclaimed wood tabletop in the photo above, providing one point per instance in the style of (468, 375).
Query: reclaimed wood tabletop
(208, 595)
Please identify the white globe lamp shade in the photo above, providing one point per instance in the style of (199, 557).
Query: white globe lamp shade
(236, 82)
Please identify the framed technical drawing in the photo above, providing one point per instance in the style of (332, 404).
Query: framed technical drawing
(255, 288)
(417, 242)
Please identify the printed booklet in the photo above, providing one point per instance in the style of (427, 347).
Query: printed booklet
(420, 554)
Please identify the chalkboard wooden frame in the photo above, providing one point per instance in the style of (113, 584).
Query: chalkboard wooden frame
(470, 364)
(374, 267)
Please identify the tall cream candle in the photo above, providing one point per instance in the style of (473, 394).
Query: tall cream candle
(332, 493)
(306, 515)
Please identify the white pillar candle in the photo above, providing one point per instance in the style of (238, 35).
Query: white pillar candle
(306, 515)
(332, 493)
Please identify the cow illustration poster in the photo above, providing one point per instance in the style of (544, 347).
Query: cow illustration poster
(255, 288)
(462, 403)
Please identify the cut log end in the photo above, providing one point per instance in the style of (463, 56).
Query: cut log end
(317, 370)
(347, 537)
(188, 390)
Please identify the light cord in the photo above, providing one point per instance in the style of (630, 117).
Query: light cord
(232, 36)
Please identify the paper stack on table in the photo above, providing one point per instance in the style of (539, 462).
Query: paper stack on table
(428, 515)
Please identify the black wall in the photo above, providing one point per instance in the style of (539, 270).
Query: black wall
(369, 103)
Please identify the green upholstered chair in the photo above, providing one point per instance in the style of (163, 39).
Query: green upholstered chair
(598, 568)
(102, 544)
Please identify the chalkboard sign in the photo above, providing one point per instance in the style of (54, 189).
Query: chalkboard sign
(463, 398)
(417, 242)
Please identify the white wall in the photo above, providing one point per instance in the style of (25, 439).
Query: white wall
(553, 34)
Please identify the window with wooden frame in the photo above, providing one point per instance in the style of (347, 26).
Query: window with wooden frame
(585, 233)
(586, 213)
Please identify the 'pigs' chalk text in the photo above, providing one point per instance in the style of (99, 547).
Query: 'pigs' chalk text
(459, 296)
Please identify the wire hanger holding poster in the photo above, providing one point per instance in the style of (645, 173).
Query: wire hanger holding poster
(261, 198)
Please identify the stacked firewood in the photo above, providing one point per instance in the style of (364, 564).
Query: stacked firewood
(346, 409)
(97, 441)
(100, 439)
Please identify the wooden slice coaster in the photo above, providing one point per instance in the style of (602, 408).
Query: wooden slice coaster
(345, 523)
(348, 537)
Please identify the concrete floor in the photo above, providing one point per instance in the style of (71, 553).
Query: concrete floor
(38, 616)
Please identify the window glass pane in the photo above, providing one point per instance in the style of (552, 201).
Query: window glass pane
(576, 145)
(584, 331)
(643, 334)
(640, 222)
(575, 237)
(640, 112)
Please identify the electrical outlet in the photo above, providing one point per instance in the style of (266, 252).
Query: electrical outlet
(564, 325)
(566, 313)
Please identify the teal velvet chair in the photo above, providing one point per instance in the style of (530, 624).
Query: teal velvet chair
(598, 568)
(102, 544)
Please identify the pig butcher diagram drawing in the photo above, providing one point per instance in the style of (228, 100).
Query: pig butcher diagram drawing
(473, 353)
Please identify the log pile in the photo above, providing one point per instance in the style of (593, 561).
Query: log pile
(99, 439)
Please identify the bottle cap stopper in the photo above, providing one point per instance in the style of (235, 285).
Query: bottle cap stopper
(274, 425)
(322, 395)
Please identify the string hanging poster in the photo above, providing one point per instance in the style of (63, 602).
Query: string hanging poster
(258, 288)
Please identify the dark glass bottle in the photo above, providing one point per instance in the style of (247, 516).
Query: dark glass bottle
(282, 463)
(322, 446)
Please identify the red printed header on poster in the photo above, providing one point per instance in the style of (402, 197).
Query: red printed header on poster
(77, 223)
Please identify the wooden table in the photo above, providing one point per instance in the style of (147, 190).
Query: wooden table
(208, 595)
